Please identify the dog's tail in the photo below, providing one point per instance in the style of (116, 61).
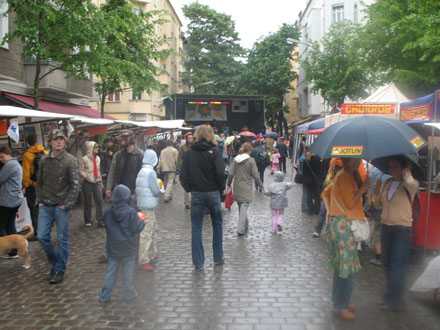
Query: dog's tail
(30, 232)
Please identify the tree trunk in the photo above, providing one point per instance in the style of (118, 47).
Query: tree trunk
(102, 96)
(37, 82)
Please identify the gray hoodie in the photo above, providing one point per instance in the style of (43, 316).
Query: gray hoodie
(278, 191)
(243, 171)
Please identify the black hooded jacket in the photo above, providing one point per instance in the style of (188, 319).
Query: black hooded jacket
(203, 168)
(122, 225)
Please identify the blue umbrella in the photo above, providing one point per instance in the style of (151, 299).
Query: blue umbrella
(272, 134)
(367, 137)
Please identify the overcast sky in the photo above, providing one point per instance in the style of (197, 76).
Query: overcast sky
(252, 18)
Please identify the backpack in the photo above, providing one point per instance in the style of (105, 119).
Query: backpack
(263, 158)
(36, 163)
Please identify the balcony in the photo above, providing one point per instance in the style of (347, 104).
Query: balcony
(165, 79)
(55, 84)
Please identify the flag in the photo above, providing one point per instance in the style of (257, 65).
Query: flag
(70, 128)
(13, 131)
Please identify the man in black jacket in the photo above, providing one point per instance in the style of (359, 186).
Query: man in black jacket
(126, 164)
(202, 174)
(282, 149)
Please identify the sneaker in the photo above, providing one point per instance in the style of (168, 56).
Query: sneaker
(32, 238)
(56, 278)
(10, 256)
(202, 267)
(146, 267)
(280, 229)
(376, 262)
(167, 200)
(51, 274)
(315, 234)
(88, 224)
(100, 224)
(187, 207)
(220, 262)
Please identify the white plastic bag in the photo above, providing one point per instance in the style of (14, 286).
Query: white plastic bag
(23, 216)
(430, 279)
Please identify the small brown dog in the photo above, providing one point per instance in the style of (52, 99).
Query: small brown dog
(19, 242)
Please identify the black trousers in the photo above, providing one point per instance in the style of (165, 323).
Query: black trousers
(283, 164)
(90, 189)
(313, 199)
(7, 223)
(33, 208)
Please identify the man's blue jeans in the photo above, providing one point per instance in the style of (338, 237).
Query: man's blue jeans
(396, 248)
(342, 290)
(200, 201)
(47, 216)
(111, 276)
(321, 219)
(304, 206)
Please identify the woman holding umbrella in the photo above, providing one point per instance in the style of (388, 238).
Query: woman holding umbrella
(343, 201)
(395, 197)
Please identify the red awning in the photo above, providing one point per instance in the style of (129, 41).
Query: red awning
(58, 107)
(316, 131)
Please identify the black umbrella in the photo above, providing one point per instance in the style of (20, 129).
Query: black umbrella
(416, 170)
(367, 137)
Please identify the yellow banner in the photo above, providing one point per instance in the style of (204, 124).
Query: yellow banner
(370, 109)
(347, 151)
(417, 142)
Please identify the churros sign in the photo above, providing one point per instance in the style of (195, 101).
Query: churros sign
(370, 109)
(347, 151)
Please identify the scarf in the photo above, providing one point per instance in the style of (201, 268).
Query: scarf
(95, 167)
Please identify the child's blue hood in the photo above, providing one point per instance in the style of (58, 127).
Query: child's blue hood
(150, 158)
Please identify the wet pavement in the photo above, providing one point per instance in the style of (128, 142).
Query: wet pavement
(268, 281)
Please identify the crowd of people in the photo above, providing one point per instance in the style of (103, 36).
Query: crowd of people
(134, 180)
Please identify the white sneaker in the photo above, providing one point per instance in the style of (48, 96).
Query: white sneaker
(7, 256)
(315, 234)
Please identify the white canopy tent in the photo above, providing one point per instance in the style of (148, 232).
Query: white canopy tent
(389, 94)
(9, 111)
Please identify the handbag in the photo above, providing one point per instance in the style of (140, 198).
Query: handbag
(229, 199)
(298, 178)
(359, 228)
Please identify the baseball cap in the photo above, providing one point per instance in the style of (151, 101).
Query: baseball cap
(57, 133)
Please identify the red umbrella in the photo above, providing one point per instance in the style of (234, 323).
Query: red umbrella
(247, 133)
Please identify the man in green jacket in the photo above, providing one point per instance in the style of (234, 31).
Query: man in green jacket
(57, 191)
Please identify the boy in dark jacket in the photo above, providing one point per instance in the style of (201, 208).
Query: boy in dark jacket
(123, 227)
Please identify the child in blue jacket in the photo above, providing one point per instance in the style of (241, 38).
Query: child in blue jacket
(123, 227)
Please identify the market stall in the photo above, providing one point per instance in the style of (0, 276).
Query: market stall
(423, 115)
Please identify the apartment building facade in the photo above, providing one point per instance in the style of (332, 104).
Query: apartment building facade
(314, 23)
(17, 75)
(125, 105)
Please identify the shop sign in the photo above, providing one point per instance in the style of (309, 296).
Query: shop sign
(420, 112)
(369, 109)
(347, 151)
(417, 142)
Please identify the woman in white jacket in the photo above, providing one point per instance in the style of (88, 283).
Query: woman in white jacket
(147, 195)
(90, 172)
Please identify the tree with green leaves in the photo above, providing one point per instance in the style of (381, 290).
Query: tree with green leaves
(212, 50)
(337, 70)
(124, 56)
(269, 72)
(401, 41)
(55, 31)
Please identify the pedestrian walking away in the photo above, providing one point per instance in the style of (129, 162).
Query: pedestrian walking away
(31, 167)
(182, 151)
(167, 167)
(243, 171)
(278, 200)
(261, 157)
(202, 174)
(147, 194)
(282, 149)
(11, 196)
(275, 161)
(57, 192)
(90, 173)
(343, 201)
(123, 226)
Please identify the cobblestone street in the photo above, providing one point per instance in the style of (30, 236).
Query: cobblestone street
(268, 281)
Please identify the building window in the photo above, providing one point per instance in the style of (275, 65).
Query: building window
(137, 11)
(4, 23)
(113, 97)
(337, 13)
(355, 13)
(135, 96)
